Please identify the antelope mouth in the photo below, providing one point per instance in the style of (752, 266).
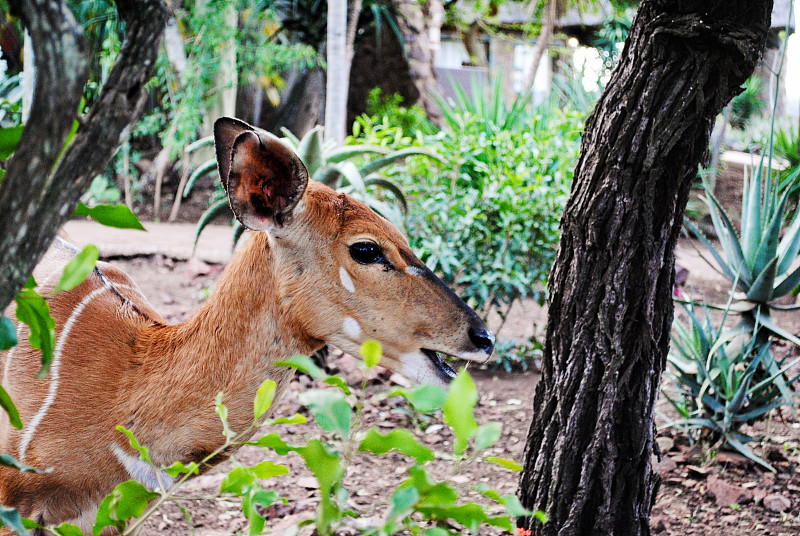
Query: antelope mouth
(445, 371)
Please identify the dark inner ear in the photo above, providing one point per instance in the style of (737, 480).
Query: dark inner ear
(266, 180)
(226, 130)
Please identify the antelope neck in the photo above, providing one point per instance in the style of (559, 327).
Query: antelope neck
(229, 345)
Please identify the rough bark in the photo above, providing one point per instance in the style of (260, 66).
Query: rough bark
(588, 455)
(35, 197)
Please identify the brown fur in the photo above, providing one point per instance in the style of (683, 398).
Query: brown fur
(122, 364)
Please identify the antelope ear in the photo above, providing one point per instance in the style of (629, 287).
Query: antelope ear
(264, 179)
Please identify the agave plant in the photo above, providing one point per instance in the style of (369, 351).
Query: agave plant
(487, 102)
(721, 386)
(334, 166)
(759, 261)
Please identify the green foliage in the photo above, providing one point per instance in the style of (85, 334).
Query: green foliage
(32, 309)
(420, 504)
(8, 405)
(411, 121)
(724, 381)
(78, 268)
(102, 192)
(728, 377)
(8, 334)
(11, 519)
(487, 219)
(747, 104)
(759, 262)
(128, 500)
(119, 216)
(9, 139)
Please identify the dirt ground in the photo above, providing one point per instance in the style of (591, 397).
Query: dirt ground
(701, 493)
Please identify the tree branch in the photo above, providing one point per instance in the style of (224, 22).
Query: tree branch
(119, 104)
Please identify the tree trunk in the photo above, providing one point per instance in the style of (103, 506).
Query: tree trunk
(338, 72)
(588, 455)
(543, 41)
(36, 197)
(416, 22)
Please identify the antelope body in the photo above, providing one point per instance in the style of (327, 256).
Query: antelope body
(321, 268)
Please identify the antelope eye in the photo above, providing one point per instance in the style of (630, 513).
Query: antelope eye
(366, 253)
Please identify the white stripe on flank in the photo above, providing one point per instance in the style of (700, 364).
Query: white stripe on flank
(141, 471)
(54, 372)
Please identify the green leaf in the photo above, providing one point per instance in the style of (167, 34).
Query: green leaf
(294, 419)
(511, 465)
(210, 213)
(787, 285)
(330, 409)
(128, 500)
(351, 151)
(303, 364)
(9, 139)
(119, 216)
(274, 442)
(144, 453)
(8, 405)
(311, 150)
(10, 461)
(66, 529)
(237, 481)
(380, 163)
(401, 505)
(268, 469)
(425, 398)
(32, 309)
(11, 519)
(264, 397)
(400, 440)
(207, 141)
(178, 468)
(487, 435)
(372, 351)
(459, 410)
(8, 334)
(336, 381)
(209, 166)
(78, 269)
(324, 464)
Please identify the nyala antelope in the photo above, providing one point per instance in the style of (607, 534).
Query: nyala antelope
(319, 267)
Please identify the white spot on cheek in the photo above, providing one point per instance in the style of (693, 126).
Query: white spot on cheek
(346, 281)
(351, 327)
(413, 270)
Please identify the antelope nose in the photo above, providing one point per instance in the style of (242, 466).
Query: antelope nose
(482, 339)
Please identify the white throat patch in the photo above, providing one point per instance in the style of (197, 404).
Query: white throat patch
(351, 327)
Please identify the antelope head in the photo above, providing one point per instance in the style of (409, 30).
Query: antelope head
(343, 274)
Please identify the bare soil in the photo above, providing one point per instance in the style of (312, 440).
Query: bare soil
(703, 491)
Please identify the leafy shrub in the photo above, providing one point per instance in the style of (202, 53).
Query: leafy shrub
(410, 120)
(420, 504)
(747, 104)
(487, 219)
